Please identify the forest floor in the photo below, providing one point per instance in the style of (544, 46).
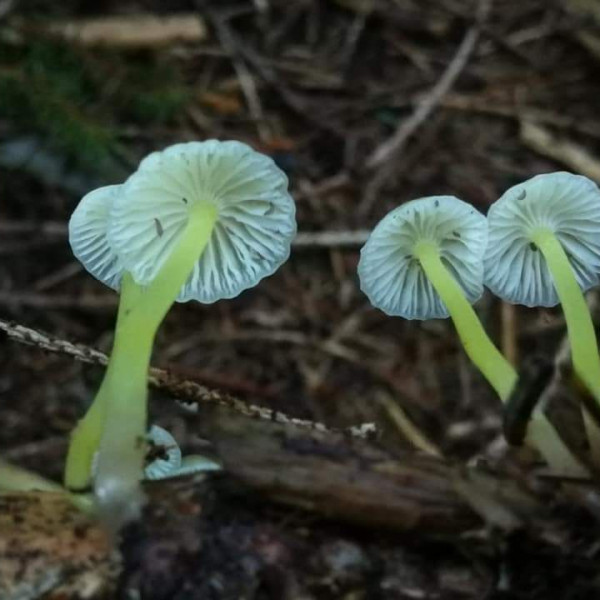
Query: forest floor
(365, 104)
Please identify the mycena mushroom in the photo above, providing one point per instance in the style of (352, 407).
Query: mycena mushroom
(544, 248)
(424, 260)
(169, 461)
(201, 220)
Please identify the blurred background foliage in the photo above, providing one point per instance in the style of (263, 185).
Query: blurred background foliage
(80, 102)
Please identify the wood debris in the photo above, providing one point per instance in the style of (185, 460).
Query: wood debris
(131, 31)
(48, 548)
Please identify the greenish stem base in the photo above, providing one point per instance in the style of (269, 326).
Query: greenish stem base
(542, 435)
(580, 327)
(123, 446)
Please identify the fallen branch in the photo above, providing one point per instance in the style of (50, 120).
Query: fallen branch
(570, 154)
(197, 531)
(381, 160)
(133, 31)
(392, 146)
(304, 239)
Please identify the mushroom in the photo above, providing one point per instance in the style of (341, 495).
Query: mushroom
(544, 247)
(424, 260)
(169, 461)
(199, 220)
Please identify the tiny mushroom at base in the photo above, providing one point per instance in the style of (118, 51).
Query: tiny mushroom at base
(166, 460)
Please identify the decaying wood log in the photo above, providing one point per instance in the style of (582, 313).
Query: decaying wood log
(362, 524)
(331, 475)
(300, 514)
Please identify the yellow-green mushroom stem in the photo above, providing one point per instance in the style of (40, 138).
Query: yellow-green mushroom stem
(116, 421)
(582, 337)
(85, 438)
(489, 360)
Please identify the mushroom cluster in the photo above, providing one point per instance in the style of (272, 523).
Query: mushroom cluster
(197, 221)
(431, 257)
(205, 221)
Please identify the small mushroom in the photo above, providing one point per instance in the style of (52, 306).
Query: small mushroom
(544, 247)
(414, 265)
(201, 221)
(170, 463)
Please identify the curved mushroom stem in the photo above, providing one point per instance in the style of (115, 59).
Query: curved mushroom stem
(85, 438)
(122, 447)
(580, 327)
(487, 358)
(478, 346)
(116, 422)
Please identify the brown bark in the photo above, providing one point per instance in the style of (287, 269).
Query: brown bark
(300, 514)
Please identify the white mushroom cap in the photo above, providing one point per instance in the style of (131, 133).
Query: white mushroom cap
(254, 228)
(568, 205)
(88, 235)
(393, 278)
(174, 465)
(160, 468)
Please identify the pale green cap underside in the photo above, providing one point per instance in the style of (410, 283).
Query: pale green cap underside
(392, 277)
(140, 222)
(88, 228)
(566, 204)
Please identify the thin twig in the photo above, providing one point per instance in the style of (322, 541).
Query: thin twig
(391, 147)
(304, 239)
(189, 393)
(91, 302)
(485, 106)
(571, 154)
(244, 75)
(405, 426)
(269, 76)
(331, 239)
(382, 157)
